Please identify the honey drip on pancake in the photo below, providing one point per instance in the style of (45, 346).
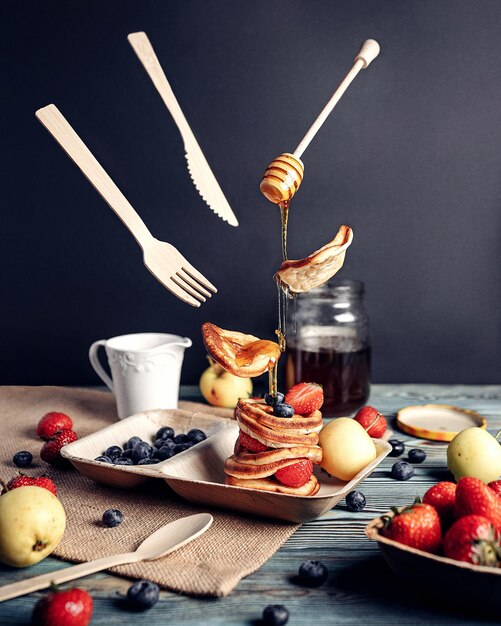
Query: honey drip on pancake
(246, 354)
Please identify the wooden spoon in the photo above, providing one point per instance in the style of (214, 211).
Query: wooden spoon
(162, 542)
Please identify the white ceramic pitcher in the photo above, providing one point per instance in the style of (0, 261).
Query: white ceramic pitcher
(145, 370)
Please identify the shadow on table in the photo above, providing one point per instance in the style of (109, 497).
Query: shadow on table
(373, 581)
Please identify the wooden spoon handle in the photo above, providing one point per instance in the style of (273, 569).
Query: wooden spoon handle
(69, 573)
(367, 53)
(63, 133)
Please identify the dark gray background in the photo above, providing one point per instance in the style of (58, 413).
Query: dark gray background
(410, 158)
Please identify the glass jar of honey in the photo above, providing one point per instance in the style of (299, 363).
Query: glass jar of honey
(331, 345)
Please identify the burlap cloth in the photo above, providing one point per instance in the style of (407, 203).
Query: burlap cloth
(233, 547)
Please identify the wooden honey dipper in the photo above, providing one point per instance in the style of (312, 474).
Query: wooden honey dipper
(284, 174)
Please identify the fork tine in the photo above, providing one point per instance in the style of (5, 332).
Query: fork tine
(178, 279)
(193, 283)
(189, 269)
(180, 292)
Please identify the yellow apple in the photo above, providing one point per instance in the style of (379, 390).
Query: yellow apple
(32, 522)
(474, 452)
(220, 388)
(346, 448)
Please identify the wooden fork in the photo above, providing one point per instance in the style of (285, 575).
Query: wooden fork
(162, 259)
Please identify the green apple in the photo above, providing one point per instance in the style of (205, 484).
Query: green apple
(346, 448)
(474, 452)
(220, 388)
(32, 522)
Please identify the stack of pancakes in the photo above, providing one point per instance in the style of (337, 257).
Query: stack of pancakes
(289, 440)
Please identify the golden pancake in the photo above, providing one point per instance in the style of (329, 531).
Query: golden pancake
(280, 438)
(242, 355)
(257, 409)
(319, 267)
(271, 484)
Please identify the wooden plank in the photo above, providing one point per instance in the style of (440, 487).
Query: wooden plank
(360, 586)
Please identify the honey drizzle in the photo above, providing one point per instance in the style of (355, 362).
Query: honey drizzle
(283, 297)
(284, 216)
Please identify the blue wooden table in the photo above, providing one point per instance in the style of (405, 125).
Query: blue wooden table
(360, 588)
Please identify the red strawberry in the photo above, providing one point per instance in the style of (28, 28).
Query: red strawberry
(27, 481)
(369, 415)
(417, 526)
(473, 539)
(72, 607)
(442, 497)
(251, 444)
(474, 497)
(295, 475)
(305, 398)
(50, 451)
(53, 422)
(495, 485)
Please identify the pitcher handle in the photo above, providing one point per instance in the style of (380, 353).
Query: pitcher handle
(96, 364)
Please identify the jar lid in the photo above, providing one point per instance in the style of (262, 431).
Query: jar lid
(439, 422)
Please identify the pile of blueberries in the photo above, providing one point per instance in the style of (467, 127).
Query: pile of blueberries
(165, 445)
(280, 408)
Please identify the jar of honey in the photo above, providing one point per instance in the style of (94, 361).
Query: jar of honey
(330, 345)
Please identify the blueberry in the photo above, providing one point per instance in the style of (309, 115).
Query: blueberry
(402, 470)
(313, 573)
(127, 454)
(158, 443)
(416, 455)
(397, 447)
(22, 459)
(113, 452)
(180, 438)
(283, 410)
(181, 447)
(132, 442)
(141, 450)
(123, 461)
(165, 452)
(167, 443)
(275, 615)
(112, 518)
(165, 433)
(142, 595)
(151, 461)
(355, 501)
(103, 459)
(196, 435)
(276, 399)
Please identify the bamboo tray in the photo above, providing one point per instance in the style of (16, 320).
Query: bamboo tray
(197, 474)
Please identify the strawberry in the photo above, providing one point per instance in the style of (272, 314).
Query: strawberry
(372, 420)
(50, 451)
(71, 607)
(473, 539)
(442, 497)
(495, 485)
(53, 422)
(251, 444)
(305, 398)
(295, 475)
(417, 526)
(21, 480)
(474, 497)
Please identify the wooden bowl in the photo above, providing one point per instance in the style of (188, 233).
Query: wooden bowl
(197, 474)
(461, 583)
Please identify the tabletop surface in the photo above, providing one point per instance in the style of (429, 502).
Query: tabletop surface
(360, 587)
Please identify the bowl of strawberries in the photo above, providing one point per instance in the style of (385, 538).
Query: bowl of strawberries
(450, 541)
